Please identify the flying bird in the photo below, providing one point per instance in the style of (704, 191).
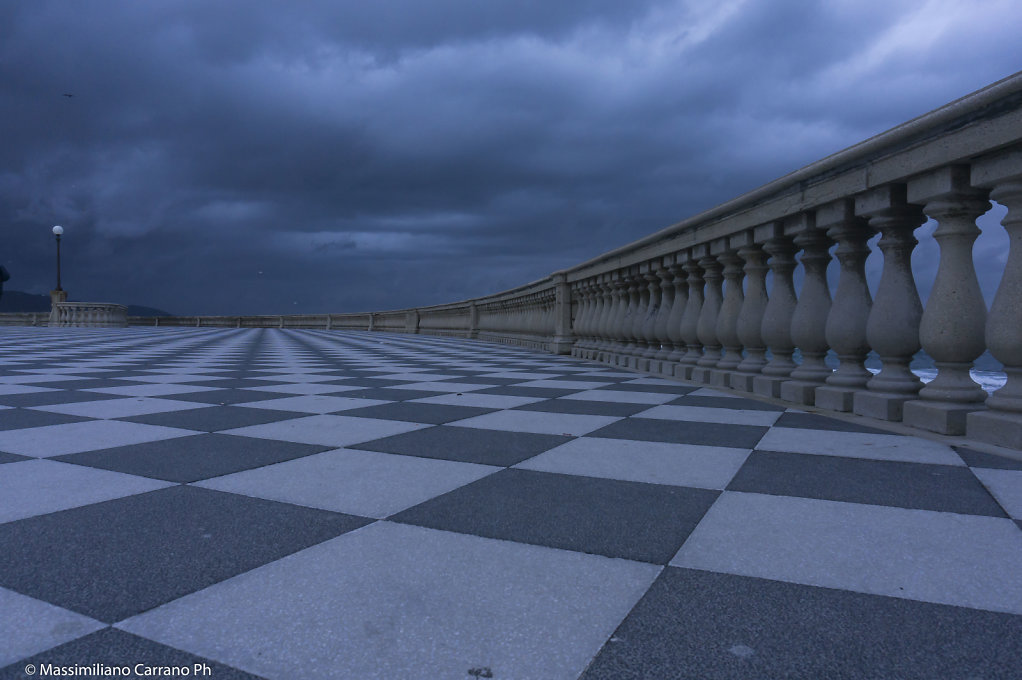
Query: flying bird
(68, 95)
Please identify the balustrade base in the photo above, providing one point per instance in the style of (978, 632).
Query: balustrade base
(995, 427)
(741, 381)
(768, 385)
(937, 417)
(881, 405)
(800, 392)
(684, 371)
(835, 398)
(702, 374)
(720, 377)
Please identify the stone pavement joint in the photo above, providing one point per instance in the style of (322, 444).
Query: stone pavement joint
(338, 504)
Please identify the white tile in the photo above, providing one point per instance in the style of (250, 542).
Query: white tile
(316, 403)
(707, 467)
(120, 408)
(170, 378)
(725, 416)
(414, 376)
(38, 487)
(964, 560)
(356, 482)
(56, 440)
(443, 387)
(303, 388)
(519, 375)
(30, 378)
(564, 384)
(535, 421)
(398, 601)
(622, 396)
(1006, 487)
(858, 445)
(327, 430)
(156, 390)
(29, 626)
(481, 400)
(707, 392)
(299, 378)
(655, 381)
(23, 389)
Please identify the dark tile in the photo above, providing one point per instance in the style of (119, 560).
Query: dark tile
(228, 396)
(473, 380)
(366, 382)
(118, 558)
(54, 397)
(191, 458)
(660, 389)
(11, 457)
(942, 488)
(434, 414)
(18, 418)
(80, 384)
(231, 383)
(726, 402)
(387, 394)
(814, 421)
(584, 407)
(630, 520)
(987, 460)
(708, 626)
(213, 418)
(516, 391)
(683, 432)
(111, 647)
(468, 445)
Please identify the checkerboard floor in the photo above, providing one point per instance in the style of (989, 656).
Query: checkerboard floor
(323, 504)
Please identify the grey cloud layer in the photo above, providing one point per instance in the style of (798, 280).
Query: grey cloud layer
(253, 157)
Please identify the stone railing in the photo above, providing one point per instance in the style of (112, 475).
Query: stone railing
(712, 299)
(24, 319)
(90, 314)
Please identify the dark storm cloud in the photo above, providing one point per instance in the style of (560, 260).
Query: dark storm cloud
(253, 157)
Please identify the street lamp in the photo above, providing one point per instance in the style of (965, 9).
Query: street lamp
(57, 231)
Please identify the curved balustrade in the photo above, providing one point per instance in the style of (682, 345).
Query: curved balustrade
(90, 314)
(712, 298)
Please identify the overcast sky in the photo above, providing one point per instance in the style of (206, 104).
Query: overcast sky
(274, 157)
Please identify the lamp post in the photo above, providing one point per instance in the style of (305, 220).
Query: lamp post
(57, 231)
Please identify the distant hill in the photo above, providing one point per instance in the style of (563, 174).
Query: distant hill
(16, 302)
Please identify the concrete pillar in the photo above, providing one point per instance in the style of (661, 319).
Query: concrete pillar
(560, 307)
(750, 319)
(1002, 423)
(951, 329)
(849, 311)
(780, 308)
(809, 322)
(893, 326)
(727, 320)
(690, 320)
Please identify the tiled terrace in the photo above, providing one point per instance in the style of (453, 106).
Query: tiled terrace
(317, 504)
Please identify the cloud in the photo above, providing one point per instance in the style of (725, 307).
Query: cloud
(400, 153)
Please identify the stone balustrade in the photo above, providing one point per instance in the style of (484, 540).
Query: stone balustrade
(89, 314)
(713, 298)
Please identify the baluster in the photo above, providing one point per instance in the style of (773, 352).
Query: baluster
(677, 312)
(951, 329)
(780, 308)
(652, 344)
(707, 325)
(750, 318)
(619, 313)
(632, 298)
(849, 312)
(893, 326)
(666, 309)
(690, 320)
(727, 320)
(638, 323)
(606, 292)
(1002, 423)
(809, 322)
